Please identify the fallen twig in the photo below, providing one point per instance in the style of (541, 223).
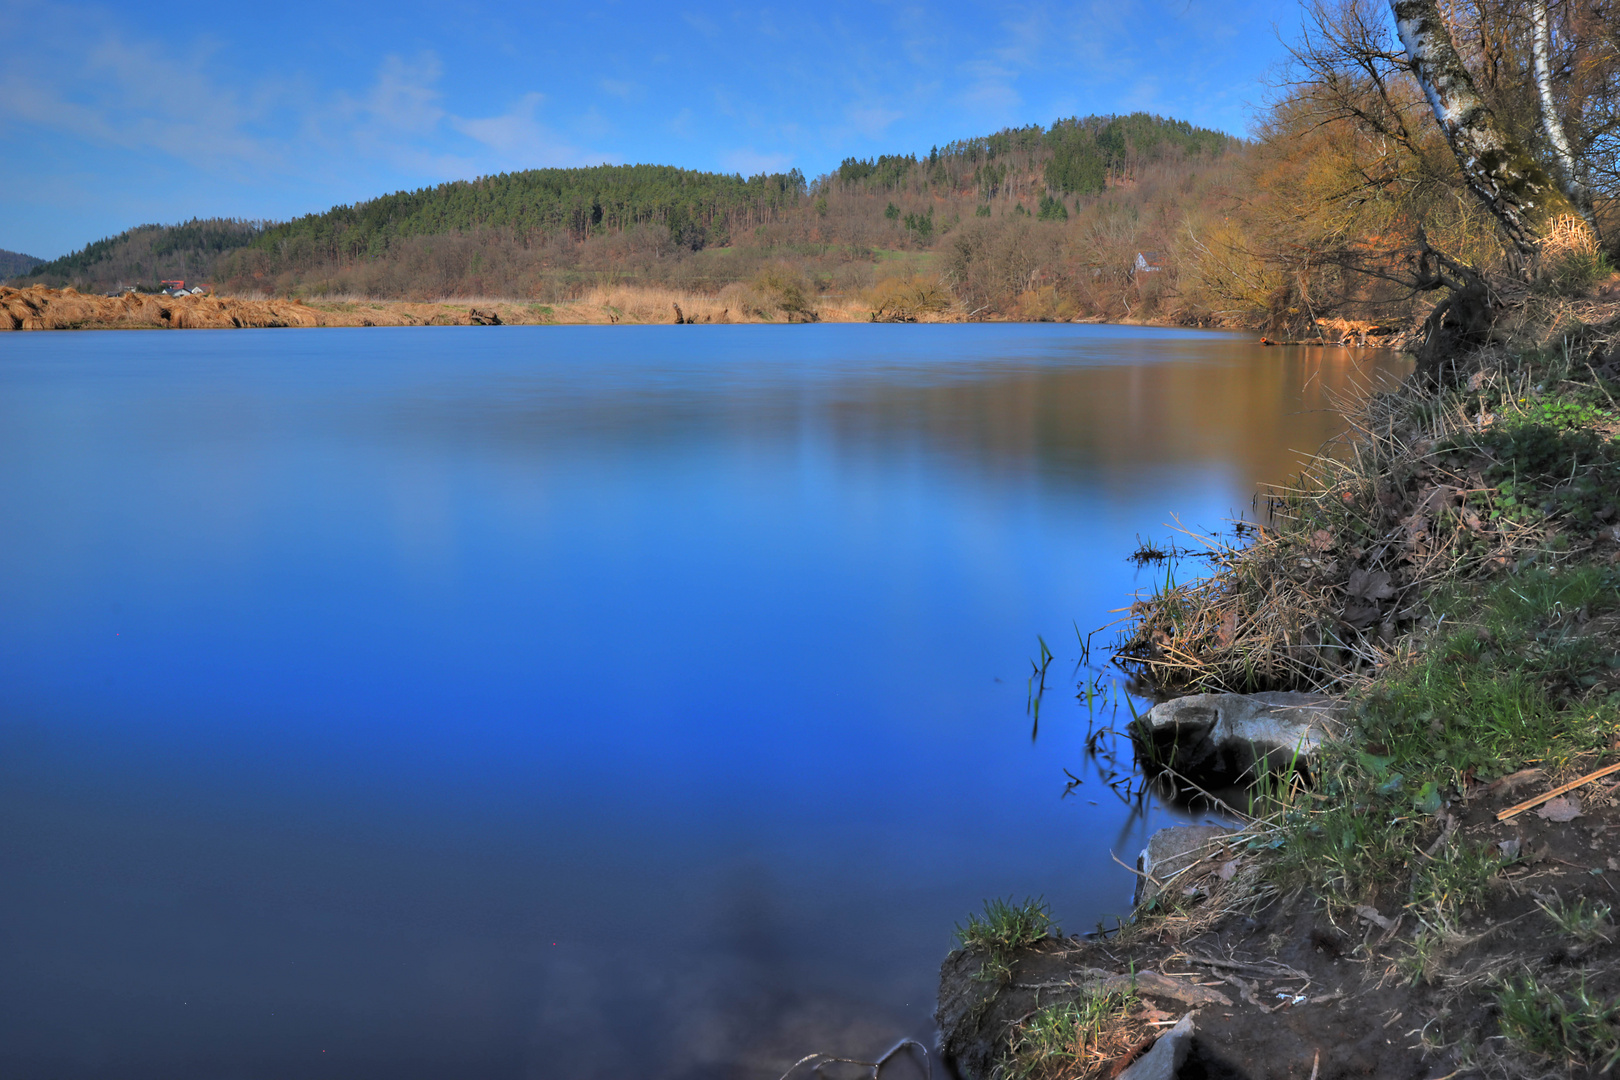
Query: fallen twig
(875, 1066)
(1530, 804)
(1275, 970)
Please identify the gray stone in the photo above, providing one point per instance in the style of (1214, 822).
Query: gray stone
(1224, 739)
(1170, 851)
(1164, 1059)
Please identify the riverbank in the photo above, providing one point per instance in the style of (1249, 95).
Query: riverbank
(1426, 899)
(41, 308)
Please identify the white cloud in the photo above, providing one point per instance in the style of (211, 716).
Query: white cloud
(129, 94)
(990, 89)
(108, 88)
(518, 139)
(752, 162)
(404, 97)
(622, 89)
(871, 120)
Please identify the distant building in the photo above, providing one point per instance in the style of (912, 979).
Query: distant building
(1148, 262)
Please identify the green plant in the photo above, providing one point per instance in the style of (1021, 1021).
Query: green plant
(1420, 963)
(1585, 921)
(785, 288)
(1547, 462)
(1004, 926)
(1446, 885)
(1572, 1026)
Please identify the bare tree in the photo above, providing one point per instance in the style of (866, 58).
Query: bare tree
(1510, 182)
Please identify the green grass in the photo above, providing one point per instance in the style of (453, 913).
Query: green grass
(1005, 926)
(1571, 1026)
(1453, 881)
(1585, 921)
(1054, 1042)
(1517, 681)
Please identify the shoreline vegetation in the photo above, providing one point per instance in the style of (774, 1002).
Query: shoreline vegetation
(1434, 894)
(1431, 889)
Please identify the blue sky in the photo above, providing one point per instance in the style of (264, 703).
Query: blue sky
(114, 116)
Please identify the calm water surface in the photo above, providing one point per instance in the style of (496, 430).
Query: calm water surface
(567, 702)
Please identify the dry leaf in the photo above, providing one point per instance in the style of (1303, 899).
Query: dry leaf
(1563, 808)
(1321, 540)
(1360, 616)
(1227, 870)
(1370, 586)
(1510, 783)
(1371, 915)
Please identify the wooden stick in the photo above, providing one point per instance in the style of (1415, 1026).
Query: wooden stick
(1571, 786)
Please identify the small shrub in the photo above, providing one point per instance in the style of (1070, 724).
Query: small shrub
(1045, 304)
(783, 288)
(905, 299)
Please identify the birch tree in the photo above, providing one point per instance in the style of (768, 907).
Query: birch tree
(1552, 124)
(1501, 172)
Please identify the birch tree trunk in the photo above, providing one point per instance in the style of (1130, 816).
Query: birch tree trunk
(1552, 125)
(1511, 183)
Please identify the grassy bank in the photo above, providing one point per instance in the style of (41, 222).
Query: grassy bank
(1452, 570)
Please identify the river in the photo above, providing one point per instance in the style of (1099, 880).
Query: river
(571, 702)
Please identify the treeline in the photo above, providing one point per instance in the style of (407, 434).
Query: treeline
(1073, 156)
(697, 209)
(147, 255)
(15, 263)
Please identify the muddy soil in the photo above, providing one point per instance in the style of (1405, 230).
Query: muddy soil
(1319, 987)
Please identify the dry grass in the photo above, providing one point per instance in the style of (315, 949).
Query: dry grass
(1320, 596)
(1081, 1039)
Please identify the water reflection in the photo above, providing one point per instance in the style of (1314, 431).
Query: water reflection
(553, 702)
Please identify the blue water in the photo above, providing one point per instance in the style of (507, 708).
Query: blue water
(568, 702)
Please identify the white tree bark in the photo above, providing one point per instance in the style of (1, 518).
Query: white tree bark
(1552, 125)
(1511, 184)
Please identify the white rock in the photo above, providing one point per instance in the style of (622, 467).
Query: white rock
(1170, 851)
(1222, 738)
(1164, 1059)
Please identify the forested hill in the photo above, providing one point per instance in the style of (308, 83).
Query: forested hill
(14, 263)
(148, 254)
(697, 208)
(1076, 156)
(545, 233)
